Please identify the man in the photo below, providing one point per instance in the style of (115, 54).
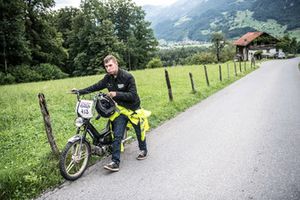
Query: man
(122, 89)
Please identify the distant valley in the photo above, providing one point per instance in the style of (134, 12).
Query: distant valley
(197, 19)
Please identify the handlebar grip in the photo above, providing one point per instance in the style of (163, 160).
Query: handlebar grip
(75, 91)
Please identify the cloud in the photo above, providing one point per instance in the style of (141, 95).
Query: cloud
(154, 2)
(75, 3)
(63, 3)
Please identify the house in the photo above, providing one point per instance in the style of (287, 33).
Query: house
(253, 42)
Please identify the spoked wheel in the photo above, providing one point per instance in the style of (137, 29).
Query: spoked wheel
(74, 159)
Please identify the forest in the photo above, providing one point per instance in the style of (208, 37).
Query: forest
(39, 43)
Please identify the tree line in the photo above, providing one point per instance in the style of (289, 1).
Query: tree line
(221, 50)
(38, 43)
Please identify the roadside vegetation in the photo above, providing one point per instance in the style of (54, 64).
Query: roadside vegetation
(27, 165)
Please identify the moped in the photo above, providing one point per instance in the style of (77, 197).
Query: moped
(75, 157)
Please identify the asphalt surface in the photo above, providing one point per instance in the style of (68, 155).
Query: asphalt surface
(241, 143)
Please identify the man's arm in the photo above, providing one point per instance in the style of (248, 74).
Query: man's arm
(96, 87)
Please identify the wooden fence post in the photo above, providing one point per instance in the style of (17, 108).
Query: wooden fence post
(169, 85)
(206, 76)
(245, 65)
(192, 82)
(240, 63)
(47, 122)
(235, 68)
(228, 71)
(220, 72)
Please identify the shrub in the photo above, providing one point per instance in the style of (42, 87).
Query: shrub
(228, 53)
(24, 73)
(49, 71)
(154, 63)
(201, 58)
(6, 78)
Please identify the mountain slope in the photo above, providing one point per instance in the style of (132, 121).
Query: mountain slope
(196, 19)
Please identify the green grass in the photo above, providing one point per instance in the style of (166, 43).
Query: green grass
(27, 166)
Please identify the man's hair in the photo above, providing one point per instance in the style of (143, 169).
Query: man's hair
(109, 58)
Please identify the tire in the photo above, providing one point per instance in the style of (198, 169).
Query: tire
(71, 165)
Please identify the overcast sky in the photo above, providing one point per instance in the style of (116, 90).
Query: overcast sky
(75, 3)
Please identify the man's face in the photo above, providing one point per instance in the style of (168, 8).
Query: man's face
(111, 67)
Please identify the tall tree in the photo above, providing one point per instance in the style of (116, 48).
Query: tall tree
(293, 46)
(45, 42)
(218, 41)
(120, 12)
(288, 45)
(143, 41)
(63, 20)
(92, 38)
(104, 27)
(14, 49)
(132, 30)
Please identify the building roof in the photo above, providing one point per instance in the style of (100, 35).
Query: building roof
(247, 38)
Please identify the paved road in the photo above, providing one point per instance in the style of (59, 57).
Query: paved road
(241, 143)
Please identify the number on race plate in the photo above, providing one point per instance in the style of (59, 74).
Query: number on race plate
(85, 111)
(85, 108)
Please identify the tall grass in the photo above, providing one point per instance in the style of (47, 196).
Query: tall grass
(27, 166)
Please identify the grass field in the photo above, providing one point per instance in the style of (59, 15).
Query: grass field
(27, 166)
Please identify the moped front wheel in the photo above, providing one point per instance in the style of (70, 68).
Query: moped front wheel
(74, 159)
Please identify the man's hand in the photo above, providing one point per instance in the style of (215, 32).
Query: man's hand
(74, 91)
(112, 94)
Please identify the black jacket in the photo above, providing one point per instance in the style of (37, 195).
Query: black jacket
(123, 85)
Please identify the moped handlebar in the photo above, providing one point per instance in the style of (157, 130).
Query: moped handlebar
(76, 91)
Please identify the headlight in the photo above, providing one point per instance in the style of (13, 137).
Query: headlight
(79, 121)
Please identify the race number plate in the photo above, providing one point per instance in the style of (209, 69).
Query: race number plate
(84, 108)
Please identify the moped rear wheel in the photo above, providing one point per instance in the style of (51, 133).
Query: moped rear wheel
(74, 159)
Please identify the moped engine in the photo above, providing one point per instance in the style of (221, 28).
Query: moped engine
(100, 151)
